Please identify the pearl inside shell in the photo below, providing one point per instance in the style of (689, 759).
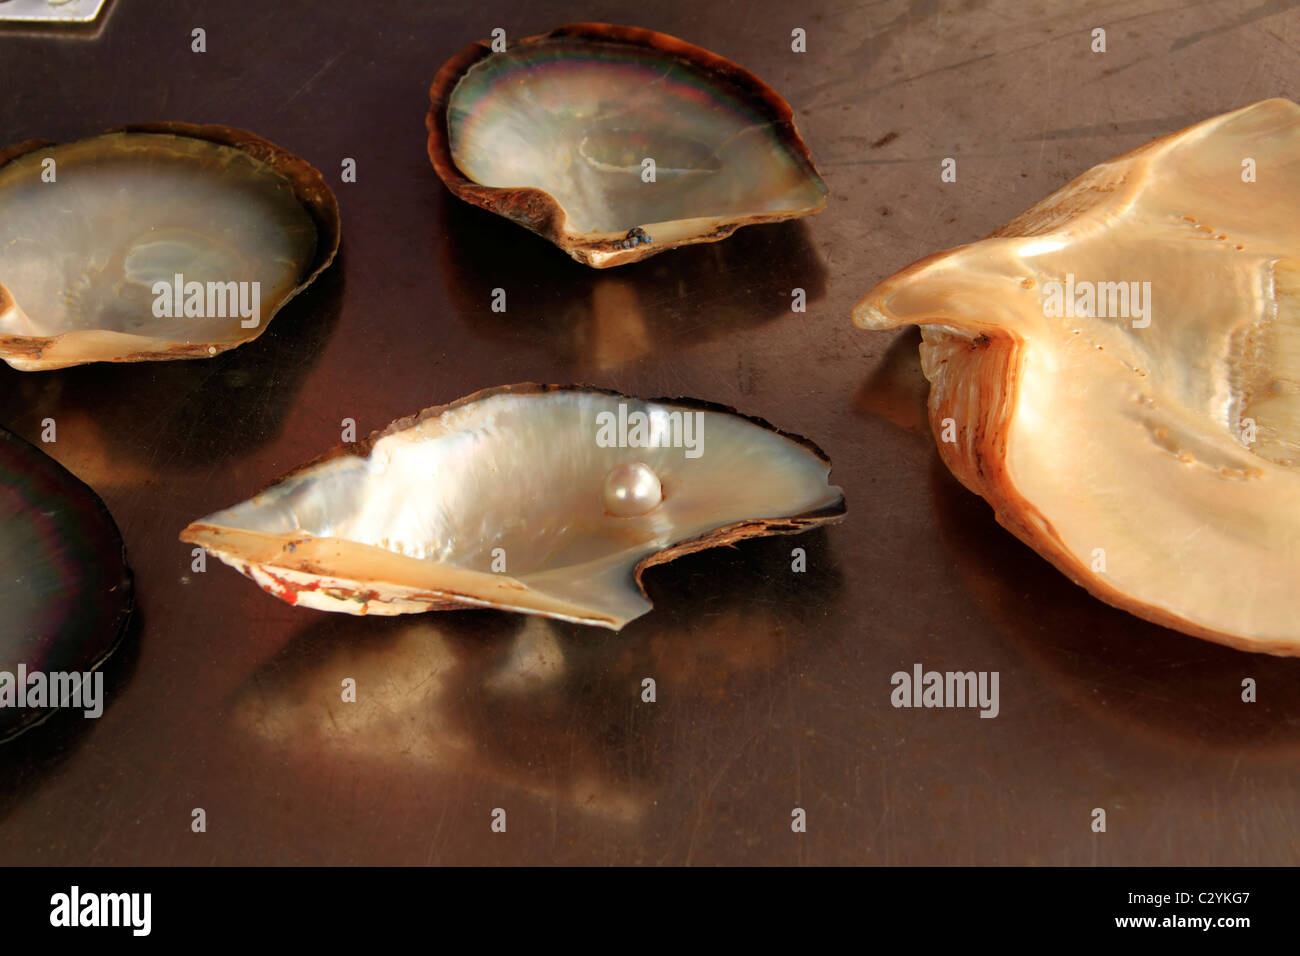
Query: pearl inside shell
(632, 489)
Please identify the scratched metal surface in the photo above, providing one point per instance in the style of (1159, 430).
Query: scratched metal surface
(773, 687)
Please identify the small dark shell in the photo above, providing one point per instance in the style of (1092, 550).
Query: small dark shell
(64, 583)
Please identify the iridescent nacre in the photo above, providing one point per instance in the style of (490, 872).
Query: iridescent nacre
(559, 133)
(499, 500)
(65, 589)
(93, 230)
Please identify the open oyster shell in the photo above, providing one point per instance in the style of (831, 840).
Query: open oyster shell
(552, 133)
(522, 498)
(94, 230)
(1144, 436)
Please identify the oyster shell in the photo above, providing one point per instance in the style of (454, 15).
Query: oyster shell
(64, 584)
(552, 133)
(88, 243)
(501, 500)
(1151, 452)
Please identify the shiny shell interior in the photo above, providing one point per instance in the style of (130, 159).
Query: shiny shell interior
(91, 229)
(64, 584)
(511, 498)
(578, 113)
(1118, 372)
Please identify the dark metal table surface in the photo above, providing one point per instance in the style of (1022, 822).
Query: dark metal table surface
(773, 687)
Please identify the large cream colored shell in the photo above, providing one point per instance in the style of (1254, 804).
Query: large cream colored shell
(1157, 464)
(496, 501)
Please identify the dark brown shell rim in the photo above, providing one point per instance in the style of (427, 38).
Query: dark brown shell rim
(309, 188)
(362, 449)
(535, 209)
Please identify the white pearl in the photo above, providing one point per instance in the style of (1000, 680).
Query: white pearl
(632, 489)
